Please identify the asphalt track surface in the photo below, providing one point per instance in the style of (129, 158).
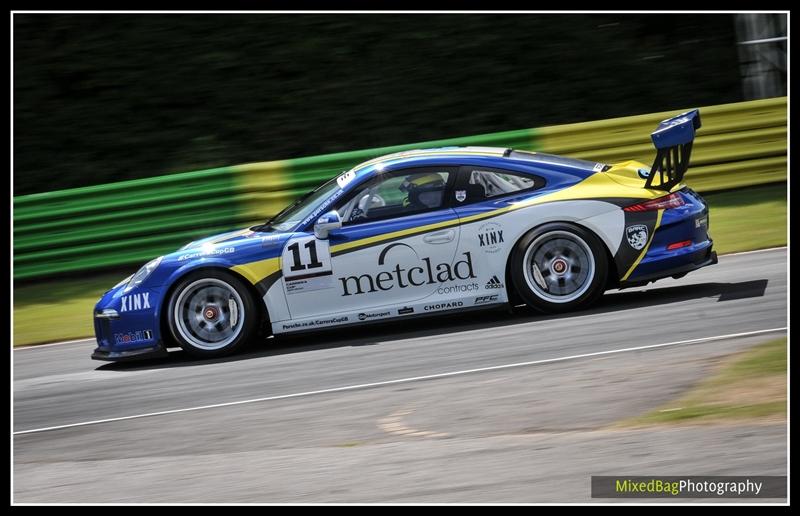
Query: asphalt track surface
(489, 407)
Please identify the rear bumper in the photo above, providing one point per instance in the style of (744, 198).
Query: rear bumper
(697, 260)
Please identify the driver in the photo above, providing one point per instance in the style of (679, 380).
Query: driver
(423, 191)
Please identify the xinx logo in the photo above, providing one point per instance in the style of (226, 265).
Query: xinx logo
(135, 302)
(490, 236)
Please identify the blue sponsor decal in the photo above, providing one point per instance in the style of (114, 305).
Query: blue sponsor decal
(206, 250)
(135, 302)
(321, 208)
(269, 240)
(133, 336)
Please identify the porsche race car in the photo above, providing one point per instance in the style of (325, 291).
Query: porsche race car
(418, 233)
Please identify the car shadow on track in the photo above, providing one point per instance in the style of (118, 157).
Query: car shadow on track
(374, 334)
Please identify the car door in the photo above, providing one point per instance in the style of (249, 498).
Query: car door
(481, 190)
(397, 245)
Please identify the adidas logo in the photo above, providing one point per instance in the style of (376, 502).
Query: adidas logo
(494, 283)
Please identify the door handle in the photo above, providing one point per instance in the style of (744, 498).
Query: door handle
(440, 237)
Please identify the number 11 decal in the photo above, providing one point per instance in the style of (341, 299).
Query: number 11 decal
(306, 257)
(297, 261)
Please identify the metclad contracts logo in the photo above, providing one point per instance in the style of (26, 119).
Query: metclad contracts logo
(404, 275)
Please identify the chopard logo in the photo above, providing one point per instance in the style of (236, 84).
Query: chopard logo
(443, 306)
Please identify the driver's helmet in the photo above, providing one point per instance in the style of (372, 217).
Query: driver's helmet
(425, 189)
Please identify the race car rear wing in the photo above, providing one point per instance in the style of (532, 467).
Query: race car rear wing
(673, 139)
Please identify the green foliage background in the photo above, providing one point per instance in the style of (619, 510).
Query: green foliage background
(100, 98)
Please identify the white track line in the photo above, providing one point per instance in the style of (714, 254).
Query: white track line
(40, 346)
(402, 380)
(51, 344)
(753, 252)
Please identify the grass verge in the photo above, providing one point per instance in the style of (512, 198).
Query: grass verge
(740, 220)
(751, 384)
(58, 310)
(748, 218)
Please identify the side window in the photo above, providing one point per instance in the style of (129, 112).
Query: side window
(485, 183)
(397, 195)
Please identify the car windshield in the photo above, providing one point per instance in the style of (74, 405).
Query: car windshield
(296, 212)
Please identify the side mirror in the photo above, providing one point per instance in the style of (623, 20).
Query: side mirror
(326, 224)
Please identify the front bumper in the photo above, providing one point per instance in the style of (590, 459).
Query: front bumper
(127, 325)
(157, 351)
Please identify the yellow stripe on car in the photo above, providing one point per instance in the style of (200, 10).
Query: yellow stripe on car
(256, 271)
(596, 186)
(365, 242)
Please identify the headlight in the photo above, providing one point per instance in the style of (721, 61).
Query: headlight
(122, 282)
(143, 273)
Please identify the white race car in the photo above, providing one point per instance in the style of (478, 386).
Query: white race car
(418, 233)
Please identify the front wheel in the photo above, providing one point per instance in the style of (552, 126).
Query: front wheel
(559, 267)
(212, 314)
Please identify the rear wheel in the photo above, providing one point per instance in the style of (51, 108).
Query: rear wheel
(212, 314)
(559, 267)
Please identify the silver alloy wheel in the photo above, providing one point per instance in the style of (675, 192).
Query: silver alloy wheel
(559, 266)
(209, 314)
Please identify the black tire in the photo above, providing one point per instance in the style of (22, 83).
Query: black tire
(208, 295)
(575, 263)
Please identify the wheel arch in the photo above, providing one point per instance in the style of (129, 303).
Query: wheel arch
(251, 289)
(515, 298)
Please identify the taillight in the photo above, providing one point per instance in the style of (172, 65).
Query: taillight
(678, 245)
(673, 200)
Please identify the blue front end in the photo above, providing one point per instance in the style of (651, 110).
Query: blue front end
(128, 319)
(680, 244)
(127, 324)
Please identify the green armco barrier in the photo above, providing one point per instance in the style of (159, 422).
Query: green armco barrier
(129, 222)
